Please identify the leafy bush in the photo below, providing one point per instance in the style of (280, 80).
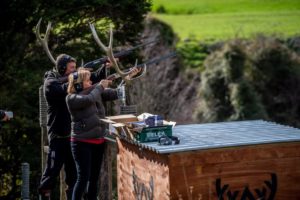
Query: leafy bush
(193, 53)
(161, 9)
(275, 75)
(251, 79)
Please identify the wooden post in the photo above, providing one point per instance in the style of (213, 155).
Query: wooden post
(43, 124)
(63, 184)
(105, 192)
(105, 187)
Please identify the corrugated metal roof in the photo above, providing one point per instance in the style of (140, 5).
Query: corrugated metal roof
(225, 134)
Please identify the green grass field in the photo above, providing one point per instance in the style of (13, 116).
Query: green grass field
(220, 19)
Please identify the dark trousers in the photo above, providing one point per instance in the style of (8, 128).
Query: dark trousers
(59, 154)
(88, 159)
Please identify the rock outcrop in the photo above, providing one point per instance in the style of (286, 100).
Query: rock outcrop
(166, 89)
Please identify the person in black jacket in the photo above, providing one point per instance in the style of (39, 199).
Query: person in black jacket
(59, 125)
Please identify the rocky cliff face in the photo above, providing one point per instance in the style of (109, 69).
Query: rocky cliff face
(243, 79)
(166, 89)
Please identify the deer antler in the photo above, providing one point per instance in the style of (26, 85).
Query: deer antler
(108, 51)
(44, 41)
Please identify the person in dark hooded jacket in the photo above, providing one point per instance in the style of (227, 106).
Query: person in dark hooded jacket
(59, 125)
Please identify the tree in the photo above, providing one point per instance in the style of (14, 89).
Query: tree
(23, 63)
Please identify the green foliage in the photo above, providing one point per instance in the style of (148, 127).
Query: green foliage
(245, 102)
(193, 53)
(23, 63)
(251, 79)
(161, 9)
(275, 74)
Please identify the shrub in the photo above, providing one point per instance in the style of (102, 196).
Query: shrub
(251, 79)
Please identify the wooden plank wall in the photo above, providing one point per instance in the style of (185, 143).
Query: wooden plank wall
(198, 174)
(142, 174)
(105, 185)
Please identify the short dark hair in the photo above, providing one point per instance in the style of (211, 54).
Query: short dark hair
(61, 63)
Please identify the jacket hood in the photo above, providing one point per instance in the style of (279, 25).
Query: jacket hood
(51, 74)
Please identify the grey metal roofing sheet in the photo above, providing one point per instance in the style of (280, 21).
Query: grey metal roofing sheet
(225, 134)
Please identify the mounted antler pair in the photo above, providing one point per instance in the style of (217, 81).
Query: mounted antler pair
(107, 49)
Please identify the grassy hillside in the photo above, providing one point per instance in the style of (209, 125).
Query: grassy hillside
(227, 19)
